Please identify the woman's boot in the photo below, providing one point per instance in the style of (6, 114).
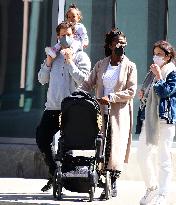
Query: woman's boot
(113, 187)
(114, 175)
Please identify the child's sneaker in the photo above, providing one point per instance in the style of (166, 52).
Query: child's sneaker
(149, 195)
(50, 51)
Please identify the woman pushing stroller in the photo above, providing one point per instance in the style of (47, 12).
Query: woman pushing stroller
(115, 80)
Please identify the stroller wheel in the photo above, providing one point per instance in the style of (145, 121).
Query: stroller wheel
(91, 193)
(57, 185)
(108, 185)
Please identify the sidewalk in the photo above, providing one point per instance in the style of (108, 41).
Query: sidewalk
(19, 191)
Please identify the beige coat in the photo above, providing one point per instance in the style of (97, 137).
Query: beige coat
(121, 107)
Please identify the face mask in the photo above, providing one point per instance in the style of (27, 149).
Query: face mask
(158, 60)
(66, 41)
(119, 51)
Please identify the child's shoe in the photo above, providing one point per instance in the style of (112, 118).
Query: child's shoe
(51, 52)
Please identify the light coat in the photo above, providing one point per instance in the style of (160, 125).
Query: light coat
(121, 113)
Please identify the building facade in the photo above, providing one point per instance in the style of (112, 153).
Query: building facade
(28, 26)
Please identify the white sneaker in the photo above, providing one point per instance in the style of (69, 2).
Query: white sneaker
(159, 200)
(149, 195)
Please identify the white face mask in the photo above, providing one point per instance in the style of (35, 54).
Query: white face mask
(158, 60)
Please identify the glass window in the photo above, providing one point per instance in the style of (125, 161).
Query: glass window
(22, 36)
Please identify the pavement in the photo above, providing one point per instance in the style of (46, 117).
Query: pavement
(20, 191)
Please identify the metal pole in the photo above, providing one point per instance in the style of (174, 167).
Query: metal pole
(166, 18)
(24, 50)
(61, 13)
(114, 14)
(58, 14)
(33, 36)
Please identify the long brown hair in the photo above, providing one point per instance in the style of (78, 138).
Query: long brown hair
(167, 48)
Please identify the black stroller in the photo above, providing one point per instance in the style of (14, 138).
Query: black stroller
(80, 131)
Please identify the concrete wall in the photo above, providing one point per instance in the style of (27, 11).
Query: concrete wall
(21, 158)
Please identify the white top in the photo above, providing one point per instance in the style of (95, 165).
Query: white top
(110, 79)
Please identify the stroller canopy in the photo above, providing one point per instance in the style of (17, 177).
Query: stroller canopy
(79, 126)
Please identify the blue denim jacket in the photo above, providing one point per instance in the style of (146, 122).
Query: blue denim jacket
(166, 90)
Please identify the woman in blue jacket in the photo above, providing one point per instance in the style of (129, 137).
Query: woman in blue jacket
(158, 107)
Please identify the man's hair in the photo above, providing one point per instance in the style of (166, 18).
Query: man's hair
(64, 25)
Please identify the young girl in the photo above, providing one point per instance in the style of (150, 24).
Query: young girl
(73, 15)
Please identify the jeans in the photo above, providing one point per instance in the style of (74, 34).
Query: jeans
(157, 175)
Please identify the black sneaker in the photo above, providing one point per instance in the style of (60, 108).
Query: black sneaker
(103, 195)
(114, 189)
(114, 192)
(48, 185)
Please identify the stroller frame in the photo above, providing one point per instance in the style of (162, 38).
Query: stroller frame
(88, 177)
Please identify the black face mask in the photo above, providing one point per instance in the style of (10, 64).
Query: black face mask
(119, 51)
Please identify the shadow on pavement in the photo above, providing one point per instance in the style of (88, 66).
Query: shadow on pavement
(39, 198)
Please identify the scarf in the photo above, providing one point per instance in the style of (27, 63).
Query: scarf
(145, 88)
(152, 120)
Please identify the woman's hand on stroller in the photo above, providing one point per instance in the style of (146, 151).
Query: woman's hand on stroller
(104, 100)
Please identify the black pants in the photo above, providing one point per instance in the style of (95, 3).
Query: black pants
(47, 128)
